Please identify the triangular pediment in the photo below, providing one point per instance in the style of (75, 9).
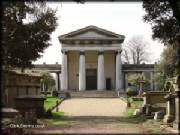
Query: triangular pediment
(90, 32)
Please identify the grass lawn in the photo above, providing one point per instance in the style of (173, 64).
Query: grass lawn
(129, 118)
(50, 101)
(55, 119)
(134, 105)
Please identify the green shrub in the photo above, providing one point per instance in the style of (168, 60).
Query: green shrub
(134, 79)
(131, 92)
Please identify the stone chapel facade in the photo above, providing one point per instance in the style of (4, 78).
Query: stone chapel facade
(91, 60)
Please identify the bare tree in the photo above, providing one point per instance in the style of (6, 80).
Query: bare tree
(135, 50)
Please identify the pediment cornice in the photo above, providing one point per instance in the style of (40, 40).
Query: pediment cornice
(90, 33)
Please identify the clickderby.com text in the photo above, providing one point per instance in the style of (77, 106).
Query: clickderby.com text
(26, 126)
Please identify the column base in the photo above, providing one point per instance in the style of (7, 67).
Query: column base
(168, 118)
(63, 90)
(176, 125)
(82, 90)
(119, 90)
(101, 90)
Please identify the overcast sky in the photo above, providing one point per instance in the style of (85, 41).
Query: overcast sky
(123, 18)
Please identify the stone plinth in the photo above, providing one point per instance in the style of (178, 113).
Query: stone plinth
(9, 112)
(169, 117)
(27, 103)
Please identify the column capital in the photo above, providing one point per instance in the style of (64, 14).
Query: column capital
(82, 52)
(64, 51)
(100, 52)
(118, 51)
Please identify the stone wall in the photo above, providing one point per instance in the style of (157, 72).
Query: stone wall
(18, 84)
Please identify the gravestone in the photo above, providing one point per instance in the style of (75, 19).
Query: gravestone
(28, 103)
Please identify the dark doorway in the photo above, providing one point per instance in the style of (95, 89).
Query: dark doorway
(91, 79)
(108, 83)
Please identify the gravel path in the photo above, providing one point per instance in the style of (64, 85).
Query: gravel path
(96, 115)
(93, 107)
(93, 125)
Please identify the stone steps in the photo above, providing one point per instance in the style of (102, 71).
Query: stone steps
(95, 94)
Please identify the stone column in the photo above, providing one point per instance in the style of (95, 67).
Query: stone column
(155, 87)
(119, 83)
(64, 83)
(82, 71)
(37, 90)
(152, 82)
(176, 123)
(57, 82)
(176, 86)
(42, 86)
(143, 74)
(126, 80)
(101, 79)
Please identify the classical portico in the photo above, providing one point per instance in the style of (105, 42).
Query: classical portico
(91, 59)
